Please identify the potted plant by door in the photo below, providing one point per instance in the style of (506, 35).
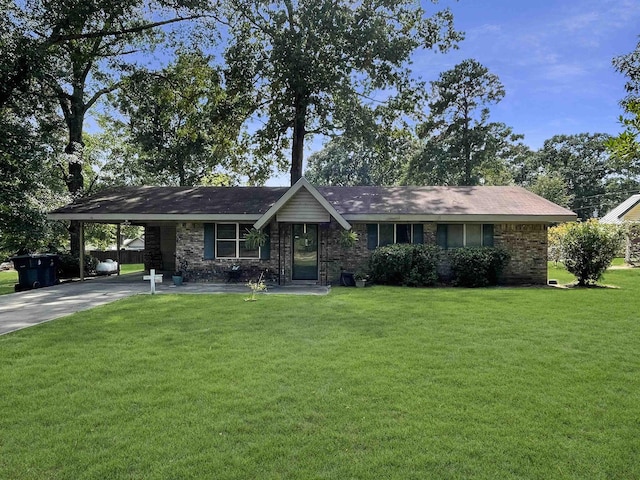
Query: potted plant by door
(361, 279)
(177, 278)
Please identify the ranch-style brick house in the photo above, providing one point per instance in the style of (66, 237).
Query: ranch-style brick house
(201, 229)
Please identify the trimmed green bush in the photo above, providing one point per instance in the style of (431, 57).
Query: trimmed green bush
(69, 265)
(588, 248)
(413, 265)
(478, 266)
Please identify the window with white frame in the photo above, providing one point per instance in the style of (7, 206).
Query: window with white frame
(227, 240)
(456, 235)
(380, 234)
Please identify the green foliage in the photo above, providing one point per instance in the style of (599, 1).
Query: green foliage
(582, 163)
(412, 265)
(555, 235)
(554, 188)
(626, 146)
(255, 238)
(316, 65)
(478, 266)
(69, 266)
(588, 248)
(29, 186)
(182, 123)
(377, 161)
(348, 238)
(461, 146)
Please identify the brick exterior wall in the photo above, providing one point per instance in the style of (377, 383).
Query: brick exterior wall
(190, 255)
(527, 244)
(152, 250)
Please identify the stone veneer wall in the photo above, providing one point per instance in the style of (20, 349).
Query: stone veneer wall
(632, 250)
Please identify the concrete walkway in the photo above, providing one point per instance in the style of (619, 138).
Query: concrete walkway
(25, 309)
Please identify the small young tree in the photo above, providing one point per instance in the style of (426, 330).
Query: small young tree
(588, 248)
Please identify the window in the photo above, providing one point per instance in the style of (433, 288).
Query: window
(380, 234)
(464, 235)
(226, 240)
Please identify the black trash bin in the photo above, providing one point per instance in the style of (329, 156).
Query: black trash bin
(35, 271)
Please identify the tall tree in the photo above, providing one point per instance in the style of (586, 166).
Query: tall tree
(323, 66)
(182, 123)
(82, 44)
(461, 146)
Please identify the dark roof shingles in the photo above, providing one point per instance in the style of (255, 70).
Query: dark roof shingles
(346, 200)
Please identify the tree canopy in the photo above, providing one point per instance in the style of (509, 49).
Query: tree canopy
(626, 146)
(460, 145)
(181, 123)
(327, 66)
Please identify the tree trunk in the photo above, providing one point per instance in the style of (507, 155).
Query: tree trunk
(74, 110)
(297, 151)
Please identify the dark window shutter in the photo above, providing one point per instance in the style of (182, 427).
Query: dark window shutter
(441, 235)
(209, 241)
(372, 236)
(418, 233)
(265, 250)
(487, 235)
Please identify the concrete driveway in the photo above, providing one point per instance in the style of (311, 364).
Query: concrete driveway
(25, 309)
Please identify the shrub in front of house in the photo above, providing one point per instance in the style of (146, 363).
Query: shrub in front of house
(412, 265)
(588, 248)
(478, 266)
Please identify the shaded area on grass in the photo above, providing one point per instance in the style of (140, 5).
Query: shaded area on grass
(364, 383)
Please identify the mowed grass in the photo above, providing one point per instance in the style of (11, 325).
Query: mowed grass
(382, 382)
(8, 279)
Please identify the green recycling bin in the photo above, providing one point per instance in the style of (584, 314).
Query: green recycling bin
(35, 271)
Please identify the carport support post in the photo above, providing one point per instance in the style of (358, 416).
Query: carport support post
(118, 247)
(81, 251)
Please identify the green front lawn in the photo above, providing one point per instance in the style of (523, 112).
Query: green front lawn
(364, 383)
(8, 279)
(131, 268)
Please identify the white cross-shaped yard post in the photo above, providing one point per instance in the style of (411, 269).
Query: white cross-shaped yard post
(153, 278)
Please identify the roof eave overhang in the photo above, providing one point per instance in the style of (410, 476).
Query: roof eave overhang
(301, 183)
(459, 218)
(158, 217)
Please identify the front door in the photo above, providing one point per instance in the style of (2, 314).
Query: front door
(305, 252)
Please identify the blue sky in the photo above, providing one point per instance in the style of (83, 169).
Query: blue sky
(553, 57)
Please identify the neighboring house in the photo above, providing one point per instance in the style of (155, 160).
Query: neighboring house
(133, 243)
(628, 213)
(201, 229)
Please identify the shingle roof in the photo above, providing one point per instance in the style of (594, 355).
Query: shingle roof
(616, 215)
(177, 200)
(351, 202)
(440, 201)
